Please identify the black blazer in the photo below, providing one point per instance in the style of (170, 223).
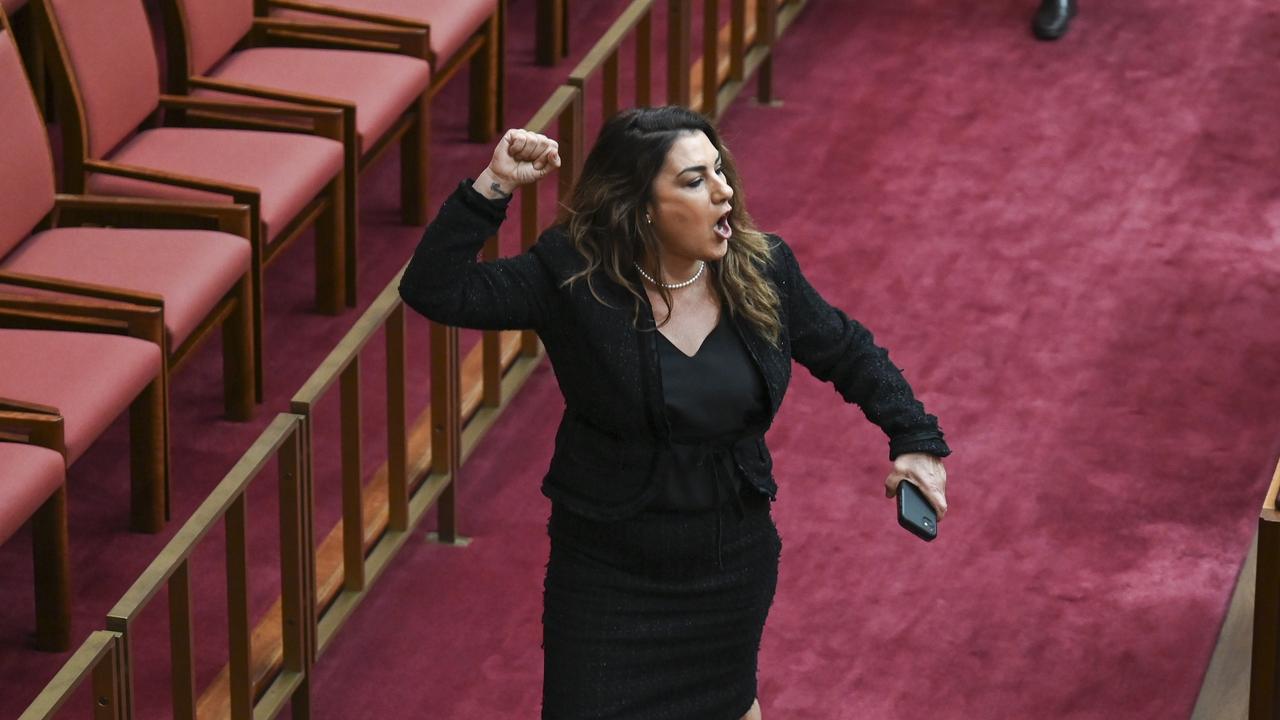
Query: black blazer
(613, 441)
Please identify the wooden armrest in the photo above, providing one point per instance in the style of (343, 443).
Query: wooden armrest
(265, 93)
(240, 193)
(81, 315)
(404, 40)
(24, 407)
(71, 210)
(326, 122)
(360, 16)
(72, 287)
(41, 426)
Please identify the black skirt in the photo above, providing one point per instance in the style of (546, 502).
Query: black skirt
(657, 617)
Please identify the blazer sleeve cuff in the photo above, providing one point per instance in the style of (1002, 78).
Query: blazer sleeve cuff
(932, 444)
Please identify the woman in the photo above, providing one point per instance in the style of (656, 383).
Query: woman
(670, 323)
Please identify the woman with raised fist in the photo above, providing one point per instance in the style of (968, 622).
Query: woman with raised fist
(671, 323)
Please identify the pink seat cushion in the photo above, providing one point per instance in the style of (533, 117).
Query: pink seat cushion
(29, 474)
(289, 169)
(452, 22)
(90, 377)
(381, 85)
(191, 269)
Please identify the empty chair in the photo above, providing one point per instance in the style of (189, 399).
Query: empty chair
(90, 362)
(458, 31)
(107, 83)
(200, 278)
(33, 488)
(217, 46)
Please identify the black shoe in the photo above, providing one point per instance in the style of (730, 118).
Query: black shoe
(1053, 18)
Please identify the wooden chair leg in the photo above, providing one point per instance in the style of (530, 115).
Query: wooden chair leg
(238, 372)
(257, 315)
(415, 165)
(484, 85)
(52, 574)
(148, 440)
(351, 204)
(331, 273)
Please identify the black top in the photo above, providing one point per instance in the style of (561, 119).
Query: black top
(613, 444)
(712, 396)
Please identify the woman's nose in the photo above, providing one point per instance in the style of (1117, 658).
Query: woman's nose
(724, 190)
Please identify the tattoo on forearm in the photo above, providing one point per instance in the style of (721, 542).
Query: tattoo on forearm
(498, 189)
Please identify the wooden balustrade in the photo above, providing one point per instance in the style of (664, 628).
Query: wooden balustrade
(282, 441)
(99, 658)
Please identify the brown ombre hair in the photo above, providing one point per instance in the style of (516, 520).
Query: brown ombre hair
(605, 215)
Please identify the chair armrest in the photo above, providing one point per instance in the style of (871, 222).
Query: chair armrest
(80, 315)
(25, 407)
(33, 424)
(72, 287)
(325, 122)
(205, 82)
(403, 40)
(73, 210)
(345, 13)
(239, 193)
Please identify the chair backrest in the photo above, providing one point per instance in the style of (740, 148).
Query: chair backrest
(212, 28)
(26, 171)
(112, 64)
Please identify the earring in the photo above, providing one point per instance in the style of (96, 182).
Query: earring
(648, 218)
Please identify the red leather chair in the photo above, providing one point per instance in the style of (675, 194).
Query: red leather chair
(217, 46)
(458, 31)
(199, 278)
(33, 488)
(89, 362)
(108, 92)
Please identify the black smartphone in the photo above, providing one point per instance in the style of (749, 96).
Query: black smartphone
(915, 513)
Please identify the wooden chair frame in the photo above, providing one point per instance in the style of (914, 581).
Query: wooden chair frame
(241, 358)
(148, 413)
(42, 426)
(486, 51)
(327, 211)
(412, 129)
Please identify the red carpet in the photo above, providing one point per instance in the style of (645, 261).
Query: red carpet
(1070, 250)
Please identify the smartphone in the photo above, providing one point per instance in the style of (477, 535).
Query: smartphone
(915, 513)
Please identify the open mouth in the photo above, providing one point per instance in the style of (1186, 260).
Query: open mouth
(722, 227)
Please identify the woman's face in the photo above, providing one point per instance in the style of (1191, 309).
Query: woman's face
(690, 206)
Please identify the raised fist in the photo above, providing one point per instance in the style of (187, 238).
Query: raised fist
(522, 157)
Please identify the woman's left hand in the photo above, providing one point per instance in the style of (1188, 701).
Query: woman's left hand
(926, 472)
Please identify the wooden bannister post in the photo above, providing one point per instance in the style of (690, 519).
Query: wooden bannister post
(679, 40)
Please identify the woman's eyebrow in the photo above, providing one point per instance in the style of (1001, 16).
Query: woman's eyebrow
(697, 168)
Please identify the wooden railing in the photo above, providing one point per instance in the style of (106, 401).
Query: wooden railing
(282, 442)
(100, 658)
(269, 664)
(1264, 680)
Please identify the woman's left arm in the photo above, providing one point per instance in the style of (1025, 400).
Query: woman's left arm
(839, 350)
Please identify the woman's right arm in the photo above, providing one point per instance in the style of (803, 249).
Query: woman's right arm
(445, 282)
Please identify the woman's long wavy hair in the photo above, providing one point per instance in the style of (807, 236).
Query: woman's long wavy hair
(606, 211)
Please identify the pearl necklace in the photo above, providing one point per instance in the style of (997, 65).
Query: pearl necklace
(673, 286)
